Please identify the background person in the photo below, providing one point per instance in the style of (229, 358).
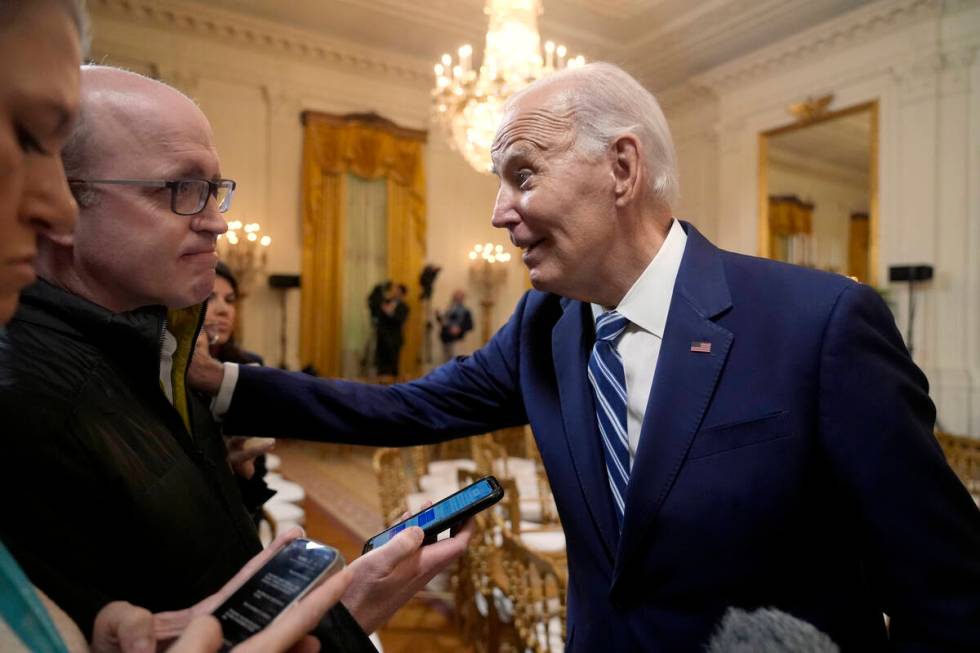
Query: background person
(454, 323)
(222, 319)
(391, 316)
(246, 458)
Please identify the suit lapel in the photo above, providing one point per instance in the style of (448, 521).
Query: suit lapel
(572, 337)
(682, 389)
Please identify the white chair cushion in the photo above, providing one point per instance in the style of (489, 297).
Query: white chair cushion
(531, 511)
(438, 485)
(282, 512)
(415, 500)
(450, 467)
(286, 491)
(545, 541)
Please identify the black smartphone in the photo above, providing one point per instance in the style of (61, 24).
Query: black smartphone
(453, 510)
(296, 569)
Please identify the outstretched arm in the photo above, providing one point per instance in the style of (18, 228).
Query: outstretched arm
(464, 397)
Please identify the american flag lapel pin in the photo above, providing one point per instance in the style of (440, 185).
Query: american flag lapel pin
(701, 346)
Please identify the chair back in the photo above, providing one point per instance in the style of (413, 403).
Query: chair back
(538, 592)
(393, 485)
(963, 454)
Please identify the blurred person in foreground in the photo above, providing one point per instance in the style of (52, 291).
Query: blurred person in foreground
(718, 430)
(132, 497)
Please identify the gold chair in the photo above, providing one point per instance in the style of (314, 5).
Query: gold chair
(479, 585)
(963, 454)
(538, 590)
(393, 483)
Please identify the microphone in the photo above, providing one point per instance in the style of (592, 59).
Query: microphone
(767, 631)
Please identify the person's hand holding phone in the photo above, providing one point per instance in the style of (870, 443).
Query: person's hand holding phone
(288, 633)
(387, 577)
(193, 624)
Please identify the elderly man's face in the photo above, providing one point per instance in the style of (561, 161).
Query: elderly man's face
(556, 203)
(130, 246)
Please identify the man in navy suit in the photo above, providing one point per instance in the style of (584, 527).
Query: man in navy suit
(718, 430)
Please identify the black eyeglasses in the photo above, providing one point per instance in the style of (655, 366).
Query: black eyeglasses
(187, 196)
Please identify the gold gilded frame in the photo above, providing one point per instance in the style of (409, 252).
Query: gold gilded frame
(872, 108)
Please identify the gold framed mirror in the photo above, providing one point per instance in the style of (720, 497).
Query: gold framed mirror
(818, 189)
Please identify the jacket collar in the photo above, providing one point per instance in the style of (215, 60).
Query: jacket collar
(131, 338)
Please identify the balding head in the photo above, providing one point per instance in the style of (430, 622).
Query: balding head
(112, 100)
(129, 249)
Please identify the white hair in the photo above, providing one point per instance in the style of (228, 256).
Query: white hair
(605, 103)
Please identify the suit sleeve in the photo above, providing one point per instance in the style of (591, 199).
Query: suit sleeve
(466, 396)
(919, 529)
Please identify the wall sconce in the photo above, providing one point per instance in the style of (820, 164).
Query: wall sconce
(488, 271)
(245, 251)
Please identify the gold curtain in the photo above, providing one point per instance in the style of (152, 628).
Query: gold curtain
(372, 148)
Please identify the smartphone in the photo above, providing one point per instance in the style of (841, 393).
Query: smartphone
(296, 569)
(451, 511)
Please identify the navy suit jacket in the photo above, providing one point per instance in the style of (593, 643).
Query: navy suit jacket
(792, 466)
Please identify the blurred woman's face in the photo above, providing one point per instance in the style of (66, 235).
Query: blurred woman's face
(39, 95)
(220, 320)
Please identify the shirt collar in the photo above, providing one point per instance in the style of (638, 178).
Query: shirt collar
(647, 302)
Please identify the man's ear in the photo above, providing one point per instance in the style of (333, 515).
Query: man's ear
(626, 168)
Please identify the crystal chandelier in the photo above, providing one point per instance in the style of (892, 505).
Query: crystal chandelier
(469, 104)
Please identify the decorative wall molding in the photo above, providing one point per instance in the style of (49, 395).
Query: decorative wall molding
(839, 33)
(246, 32)
(919, 79)
(685, 95)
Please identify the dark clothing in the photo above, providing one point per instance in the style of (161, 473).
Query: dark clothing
(786, 459)
(457, 316)
(121, 495)
(390, 338)
(255, 491)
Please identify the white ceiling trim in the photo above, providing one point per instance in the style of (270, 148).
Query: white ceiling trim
(836, 33)
(250, 32)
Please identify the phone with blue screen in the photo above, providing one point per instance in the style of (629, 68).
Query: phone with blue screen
(448, 513)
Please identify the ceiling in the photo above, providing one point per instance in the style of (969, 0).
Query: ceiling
(663, 42)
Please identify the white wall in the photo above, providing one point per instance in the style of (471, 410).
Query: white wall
(917, 58)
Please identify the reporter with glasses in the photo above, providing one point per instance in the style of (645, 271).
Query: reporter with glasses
(131, 495)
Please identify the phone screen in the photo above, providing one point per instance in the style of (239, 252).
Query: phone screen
(443, 511)
(287, 577)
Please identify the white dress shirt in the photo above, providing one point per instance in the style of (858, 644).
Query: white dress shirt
(646, 305)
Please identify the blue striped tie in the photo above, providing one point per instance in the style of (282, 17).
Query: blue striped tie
(609, 385)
